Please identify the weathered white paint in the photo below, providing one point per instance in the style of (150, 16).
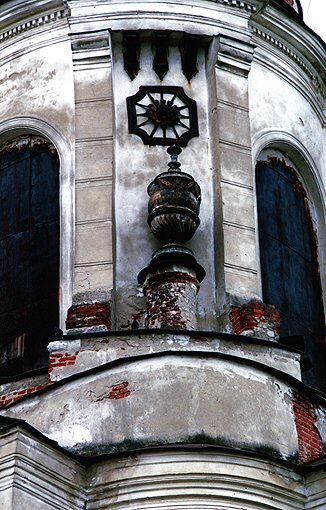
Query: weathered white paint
(70, 93)
(95, 352)
(217, 400)
(51, 86)
(210, 478)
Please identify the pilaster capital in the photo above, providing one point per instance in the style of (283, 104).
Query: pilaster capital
(90, 48)
(234, 55)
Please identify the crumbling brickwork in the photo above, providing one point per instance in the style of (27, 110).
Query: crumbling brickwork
(255, 319)
(89, 314)
(60, 359)
(18, 394)
(310, 445)
(171, 300)
(118, 391)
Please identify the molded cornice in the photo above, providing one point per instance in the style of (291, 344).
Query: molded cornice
(291, 37)
(20, 16)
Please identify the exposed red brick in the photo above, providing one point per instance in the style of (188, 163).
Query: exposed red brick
(22, 392)
(310, 445)
(57, 360)
(58, 365)
(173, 277)
(171, 300)
(118, 391)
(248, 316)
(14, 396)
(92, 314)
(67, 358)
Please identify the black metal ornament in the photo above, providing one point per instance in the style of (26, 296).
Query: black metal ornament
(162, 115)
(189, 49)
(160, 62)
(131, 53)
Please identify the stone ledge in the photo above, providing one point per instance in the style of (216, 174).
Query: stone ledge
(69, 357)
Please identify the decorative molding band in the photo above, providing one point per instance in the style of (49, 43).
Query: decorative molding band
(97, 222)
(290, 53)
(82, 102)
(95, 180)
(80, 141)
(54, 480)
(236, 146)
(237, 184)
(232, 268)
(192, 480)
(237, 3)
(33, 23)
(93, 224)
(236, 106)
(227, 223)
(90, 41)
(83, 265)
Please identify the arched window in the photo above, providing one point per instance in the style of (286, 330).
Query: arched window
(289, 261)
(29, 252)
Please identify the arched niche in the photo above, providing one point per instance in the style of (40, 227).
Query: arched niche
(290, 226)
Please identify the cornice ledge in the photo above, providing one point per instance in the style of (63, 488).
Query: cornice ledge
(315, 79)
(291, 36)
(250, 6)
(22, 16)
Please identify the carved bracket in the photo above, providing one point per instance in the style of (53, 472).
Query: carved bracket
(131, 52)
(188, 44)
(188, 50)
(160, 62)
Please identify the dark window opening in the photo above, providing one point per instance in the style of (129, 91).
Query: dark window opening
(29, 253)
(289, 262)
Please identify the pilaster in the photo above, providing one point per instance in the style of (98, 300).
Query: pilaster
(93, 102)
(233, 61)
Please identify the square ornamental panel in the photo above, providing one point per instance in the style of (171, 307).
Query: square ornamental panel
(162, 115)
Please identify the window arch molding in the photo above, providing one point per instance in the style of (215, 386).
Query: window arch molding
(287, 188)
(297, 155)
(15, 127)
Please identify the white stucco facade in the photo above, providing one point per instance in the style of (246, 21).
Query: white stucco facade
(151, 419)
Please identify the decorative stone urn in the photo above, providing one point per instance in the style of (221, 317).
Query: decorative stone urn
(174, 203)
(171, 280)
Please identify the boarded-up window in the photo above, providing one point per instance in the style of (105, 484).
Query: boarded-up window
(29, 252)
(289, 262)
